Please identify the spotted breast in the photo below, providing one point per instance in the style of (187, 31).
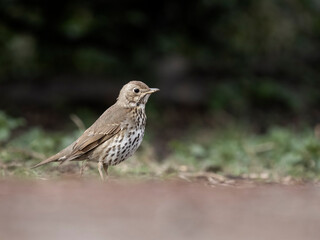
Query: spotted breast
(124, 144)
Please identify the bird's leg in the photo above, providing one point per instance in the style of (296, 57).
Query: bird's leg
(105, 168)
(100, 166)
(83, 166)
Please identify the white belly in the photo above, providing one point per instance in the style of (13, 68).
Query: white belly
(121, 147)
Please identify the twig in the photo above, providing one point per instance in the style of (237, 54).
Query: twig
(78, 122)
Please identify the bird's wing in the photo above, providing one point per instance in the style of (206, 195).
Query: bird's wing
(106, 126)
(90, 140)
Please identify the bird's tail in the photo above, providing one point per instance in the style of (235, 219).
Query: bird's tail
(62, 156)
(54, 158)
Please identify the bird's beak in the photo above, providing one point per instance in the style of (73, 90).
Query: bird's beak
(152, 90)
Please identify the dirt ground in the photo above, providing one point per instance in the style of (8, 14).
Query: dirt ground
(89, 209)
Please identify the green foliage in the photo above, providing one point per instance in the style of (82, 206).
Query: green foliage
(235, 37)
(249, 94)
(7, 124)
(234, 151)
(254, 54)
(40, 141)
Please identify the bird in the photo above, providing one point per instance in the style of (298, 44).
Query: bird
(115, 135)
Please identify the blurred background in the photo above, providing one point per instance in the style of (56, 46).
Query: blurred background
(239, 82)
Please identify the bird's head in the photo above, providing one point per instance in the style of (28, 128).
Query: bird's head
(135, 94)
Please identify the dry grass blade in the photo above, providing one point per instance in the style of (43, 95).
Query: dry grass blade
(78, 122)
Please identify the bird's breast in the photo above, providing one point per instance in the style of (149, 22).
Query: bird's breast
(124, 144)
(139, 117)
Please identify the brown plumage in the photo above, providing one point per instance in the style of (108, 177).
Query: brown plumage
(115, 135)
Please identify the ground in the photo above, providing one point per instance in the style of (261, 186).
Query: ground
(228, 183)
(78, 208)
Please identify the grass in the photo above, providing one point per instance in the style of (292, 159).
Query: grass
(231, 151)
(237, 151)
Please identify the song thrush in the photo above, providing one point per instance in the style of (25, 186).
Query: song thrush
(115, 135)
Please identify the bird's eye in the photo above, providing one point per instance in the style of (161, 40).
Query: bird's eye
(136, 90)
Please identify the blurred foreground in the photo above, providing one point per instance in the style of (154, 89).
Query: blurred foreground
(76, 209)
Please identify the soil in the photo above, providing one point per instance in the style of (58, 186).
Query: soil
(89, 209)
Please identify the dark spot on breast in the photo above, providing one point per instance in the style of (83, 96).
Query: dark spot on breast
(135, 140)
